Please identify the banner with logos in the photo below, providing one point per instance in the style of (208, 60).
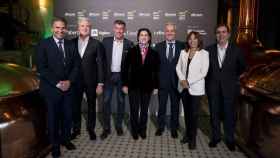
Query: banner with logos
(188, 15)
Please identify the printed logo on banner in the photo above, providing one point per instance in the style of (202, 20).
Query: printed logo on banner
(92, 14)
(69, 14)
(186, 14)
(94, 32)
(156, 15)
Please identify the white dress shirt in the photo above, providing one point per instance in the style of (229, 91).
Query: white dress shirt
(198, 69)
(221, 53)
(82, 45)
(117, 55)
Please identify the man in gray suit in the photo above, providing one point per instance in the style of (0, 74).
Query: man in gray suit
(116, 49)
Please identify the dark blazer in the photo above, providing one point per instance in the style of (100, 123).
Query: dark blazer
(228, 76)
(167, 71)
(108, 46)
(141, 76)
(92, 63)
(51, 68)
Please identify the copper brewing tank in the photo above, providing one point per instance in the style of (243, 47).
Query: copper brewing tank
(22, 113)
(247, 26)
(263, 80)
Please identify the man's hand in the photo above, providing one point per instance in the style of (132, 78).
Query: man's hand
(125, 89)
(64, 85)
(99, 89)
(155, 91)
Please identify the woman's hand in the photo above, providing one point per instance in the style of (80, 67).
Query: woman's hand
(125, 89)
(184, 84)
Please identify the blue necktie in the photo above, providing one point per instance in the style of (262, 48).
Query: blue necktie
(60, 42)
(170, 52)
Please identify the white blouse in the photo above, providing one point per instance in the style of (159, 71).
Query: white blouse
(198, 69)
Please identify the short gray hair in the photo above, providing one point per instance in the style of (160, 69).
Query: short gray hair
(170, 24)
(81, 19)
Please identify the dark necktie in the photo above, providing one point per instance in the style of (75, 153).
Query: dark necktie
(170, 52)
(60, 42)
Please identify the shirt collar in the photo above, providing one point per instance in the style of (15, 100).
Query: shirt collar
(222, 48)
(57, 40)
(173, 42)
(85, 40)
(116, 40)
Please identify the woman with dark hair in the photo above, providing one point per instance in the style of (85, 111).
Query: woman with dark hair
(191, 69)
(140, 79)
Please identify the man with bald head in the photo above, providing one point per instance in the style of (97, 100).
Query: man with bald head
(90, 76)
(169, 51)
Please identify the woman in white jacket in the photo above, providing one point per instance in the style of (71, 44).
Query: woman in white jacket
(191, 69)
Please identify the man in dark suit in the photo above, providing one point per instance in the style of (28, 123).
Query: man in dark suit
(227, 63)
(169, 52)
(58, 69)
(91, 76)
(116, 49)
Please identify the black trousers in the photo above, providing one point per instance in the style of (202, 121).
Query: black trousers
(59, 114)
(77, 113)
(139, 105)
(91, 102)
(174, 100)
(222, 106)
(191, 105)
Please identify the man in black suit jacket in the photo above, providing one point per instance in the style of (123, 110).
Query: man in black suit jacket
(58, 69)
(169, 52)
(116, 49)
(227, 63)
(91, 76)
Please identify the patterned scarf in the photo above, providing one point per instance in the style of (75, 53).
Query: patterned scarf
(144, 51)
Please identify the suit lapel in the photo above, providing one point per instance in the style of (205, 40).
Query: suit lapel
(110, 51)
(87, 47)
(215, 57)
(125, 50)
(177, 51)
(164, 51)
(147, 57)
(227, 56)
(67, 51)
(54, 47)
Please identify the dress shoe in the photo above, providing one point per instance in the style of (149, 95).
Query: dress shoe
(105, 134)
(185, 139)
(69, 145)
(92, 136)
(75, 134)
(56, 151)
(56, 154)
(230, 146)
(213, 143)
(159, 132)
(192, 145)
(134, 136)
(143, 134)
(174, 134)
(119, 131)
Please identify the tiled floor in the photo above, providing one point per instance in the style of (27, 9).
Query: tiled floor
(152, 147)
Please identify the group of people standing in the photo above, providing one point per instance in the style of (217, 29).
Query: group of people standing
(172, 69)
